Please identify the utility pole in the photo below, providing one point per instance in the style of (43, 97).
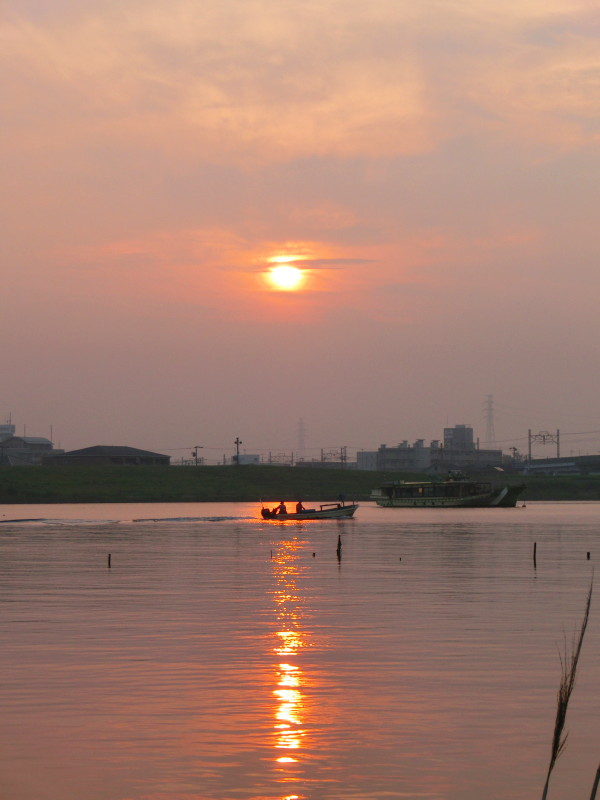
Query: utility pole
(195, 452)
(543, 437)
(237, 444)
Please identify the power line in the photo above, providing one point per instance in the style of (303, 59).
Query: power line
(317, 450)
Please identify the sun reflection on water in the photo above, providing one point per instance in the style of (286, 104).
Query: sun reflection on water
(289, 725)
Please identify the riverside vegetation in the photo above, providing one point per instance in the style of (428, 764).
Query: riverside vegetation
(145, 484)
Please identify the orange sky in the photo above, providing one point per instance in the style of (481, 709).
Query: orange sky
(435, 166)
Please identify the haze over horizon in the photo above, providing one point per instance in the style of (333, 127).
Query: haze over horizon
(433, 170)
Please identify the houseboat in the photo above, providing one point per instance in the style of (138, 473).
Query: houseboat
(456, 491)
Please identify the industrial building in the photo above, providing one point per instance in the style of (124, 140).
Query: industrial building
(459, 451)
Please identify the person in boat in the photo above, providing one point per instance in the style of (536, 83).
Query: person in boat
(299, 507)
(280, 509)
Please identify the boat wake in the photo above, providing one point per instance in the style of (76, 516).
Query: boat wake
(62, 522)
(190, 519)
(88, 522)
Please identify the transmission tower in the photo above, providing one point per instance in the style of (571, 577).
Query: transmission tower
(490, 433)
(301, 448)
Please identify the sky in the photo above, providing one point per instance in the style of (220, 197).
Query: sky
(432, 168)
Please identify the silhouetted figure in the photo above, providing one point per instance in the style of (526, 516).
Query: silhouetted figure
(299, 507)
(280, 509)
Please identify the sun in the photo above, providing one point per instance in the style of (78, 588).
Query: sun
(285, 277)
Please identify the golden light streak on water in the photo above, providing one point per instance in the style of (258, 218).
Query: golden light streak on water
(291, 643)
(289, 713)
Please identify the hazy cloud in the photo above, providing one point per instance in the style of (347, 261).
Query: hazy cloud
(435, 165)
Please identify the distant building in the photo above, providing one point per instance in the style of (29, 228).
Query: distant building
(108, 455)
(326, 464)
(458, 452)
(246, 458)
(7, 431)
(460, 437)
(404, 457)
(24, 450)
(575, 465)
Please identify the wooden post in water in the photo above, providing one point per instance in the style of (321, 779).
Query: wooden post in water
(109, 560)
(534, 554)
(339, 548)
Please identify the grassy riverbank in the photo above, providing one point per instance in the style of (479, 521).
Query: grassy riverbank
(228, 483)
(180, 484)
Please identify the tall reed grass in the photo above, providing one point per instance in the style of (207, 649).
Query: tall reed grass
(569, 661)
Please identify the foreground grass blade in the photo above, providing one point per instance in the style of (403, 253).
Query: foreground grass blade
(595, 786)
(567, 683)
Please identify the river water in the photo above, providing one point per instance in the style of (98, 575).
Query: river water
(222, 657)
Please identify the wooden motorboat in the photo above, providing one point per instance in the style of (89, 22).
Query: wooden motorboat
(325, 511)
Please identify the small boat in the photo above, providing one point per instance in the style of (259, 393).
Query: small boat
(456, 491)
(325, 511)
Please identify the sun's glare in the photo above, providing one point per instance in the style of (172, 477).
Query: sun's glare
(286, 277)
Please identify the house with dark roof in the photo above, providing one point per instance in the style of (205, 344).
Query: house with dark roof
(108, 455)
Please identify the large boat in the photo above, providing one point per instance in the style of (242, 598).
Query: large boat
(325, 511)
(456, 491)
